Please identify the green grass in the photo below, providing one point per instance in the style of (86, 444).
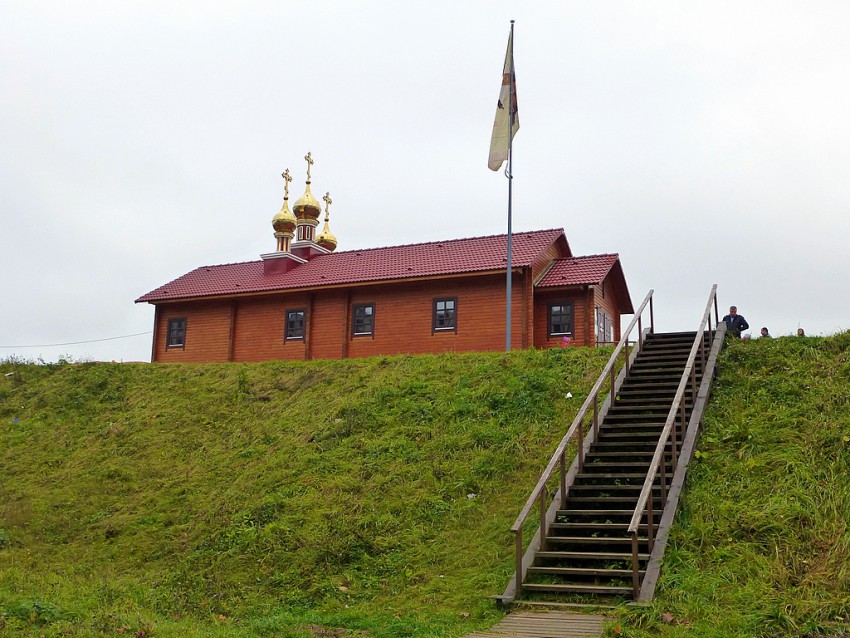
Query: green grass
(331, 498)
(274, 499)
(761, 547)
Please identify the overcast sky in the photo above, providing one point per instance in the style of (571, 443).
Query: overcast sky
(705, 142)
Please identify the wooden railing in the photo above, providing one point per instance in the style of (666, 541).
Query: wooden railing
(540, 494)
(674, 432)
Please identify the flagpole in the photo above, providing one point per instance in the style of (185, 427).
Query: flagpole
(509, 174)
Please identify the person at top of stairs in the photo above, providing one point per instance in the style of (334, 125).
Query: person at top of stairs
(735, 322)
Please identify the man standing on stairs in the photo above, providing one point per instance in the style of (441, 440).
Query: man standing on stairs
(735, 323)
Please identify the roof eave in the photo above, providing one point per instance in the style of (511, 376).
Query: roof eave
(301, 289)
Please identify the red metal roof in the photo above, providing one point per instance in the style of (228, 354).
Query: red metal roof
(433, 259)
(590, 269)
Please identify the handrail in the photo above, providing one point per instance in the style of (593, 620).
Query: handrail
(540, 493)
(657, 459)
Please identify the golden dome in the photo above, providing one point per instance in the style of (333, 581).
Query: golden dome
(307, 206)
(284, 221)
(326, 238)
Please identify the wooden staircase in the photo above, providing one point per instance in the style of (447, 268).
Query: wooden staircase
(587, 549)
(604, 522)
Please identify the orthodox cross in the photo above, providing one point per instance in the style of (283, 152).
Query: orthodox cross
(328, 202)
(309, 158)
(286, 179)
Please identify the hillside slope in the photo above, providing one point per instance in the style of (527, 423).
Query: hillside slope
(258, 499)
(288, 499)
(761, 545)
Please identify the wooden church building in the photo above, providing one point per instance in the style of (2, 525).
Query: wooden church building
(305, 300)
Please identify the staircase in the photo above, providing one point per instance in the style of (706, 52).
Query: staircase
(604, 522)
(587, 549)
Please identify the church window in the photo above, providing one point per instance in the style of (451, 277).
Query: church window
(560, 319)
(445, 314)
(363, 320)
(176, 333)
(295, 324)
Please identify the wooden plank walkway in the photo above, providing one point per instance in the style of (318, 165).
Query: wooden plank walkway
(548, 624)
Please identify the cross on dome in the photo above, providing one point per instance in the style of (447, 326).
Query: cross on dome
(309, 158)
(286, 179)
(328, 202)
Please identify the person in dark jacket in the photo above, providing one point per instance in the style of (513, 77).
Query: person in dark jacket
(735, 323)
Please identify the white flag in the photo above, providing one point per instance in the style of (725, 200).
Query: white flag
(502, 131)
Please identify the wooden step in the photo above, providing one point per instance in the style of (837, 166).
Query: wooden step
(644, 390)
(565, 515)
(668, 350)
(599, 471)
(630, 446)
(555, 555)
(592, 527)
(643, 405)
(611, 431)
(648, 378)
(634, 431)
(648, 404)
(667, 368)
(594, 540)
(599, 590)
(587, 572)
(607, 490)
(587, 502)
(617, 421)
(615, 457)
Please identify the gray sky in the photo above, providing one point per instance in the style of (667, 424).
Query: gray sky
(705, 142)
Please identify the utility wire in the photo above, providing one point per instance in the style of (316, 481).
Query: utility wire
(75, 343)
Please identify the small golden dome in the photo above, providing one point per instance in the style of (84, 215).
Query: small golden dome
(326, 238)
(284, 221)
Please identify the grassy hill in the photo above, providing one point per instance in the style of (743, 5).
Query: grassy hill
(762, 542)
(272, 499)
(375, 496)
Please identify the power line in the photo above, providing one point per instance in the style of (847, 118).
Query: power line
(75, 343)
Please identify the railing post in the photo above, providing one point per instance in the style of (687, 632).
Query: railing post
(518, 560)
(635, 567)
(663, 479)
(673, 433)
(627, 360)
(694, 386)
(544, 496)
(581, 445)
(563, 479)
(683, 423)
(651, 317)
(596, 416)
(640, 332)
(650, 522)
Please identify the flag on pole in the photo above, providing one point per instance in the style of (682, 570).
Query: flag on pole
(506, 111)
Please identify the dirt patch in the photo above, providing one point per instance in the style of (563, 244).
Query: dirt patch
(334, 632)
